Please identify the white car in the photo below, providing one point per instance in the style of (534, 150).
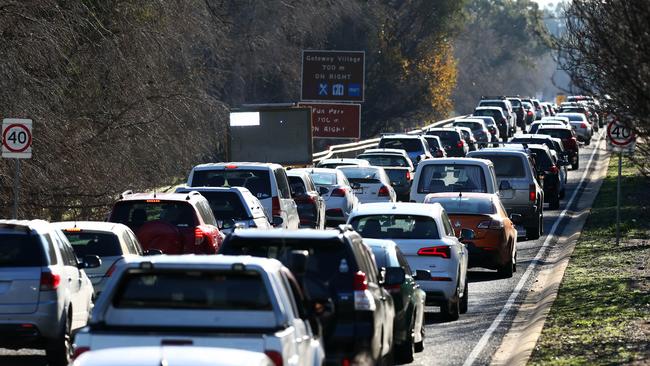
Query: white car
(268, 182)
(335, 188)
(337, 162)
(240, 302)
(580, 125)
(172, 356)
(453, 175)
(108, 240)
(233, 207)
(424, 234)
(370, 183)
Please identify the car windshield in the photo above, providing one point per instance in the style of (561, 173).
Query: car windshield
(396, 227)
(196, 289)
(385, 160)
(504, 165)
(257, 181)
(20, 250)
(451, 178)
(136, 213)
(465, 205)
(226, 205)
(362, 175)
(94, 243)
(410, 145)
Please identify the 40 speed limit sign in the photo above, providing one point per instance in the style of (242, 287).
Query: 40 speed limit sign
(620, 137)
(16, 138)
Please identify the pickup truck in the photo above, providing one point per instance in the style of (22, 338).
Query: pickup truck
(238, 302)
(397, 165)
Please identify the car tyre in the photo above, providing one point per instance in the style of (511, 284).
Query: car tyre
(465, 299)
(419, 346)
(555, 202)
(576, 166)
(404, 352)
(451, 309)
(59, 350)
(534, 232)
(506, 270)
(588, 142)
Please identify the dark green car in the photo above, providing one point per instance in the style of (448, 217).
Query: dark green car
(408, 327)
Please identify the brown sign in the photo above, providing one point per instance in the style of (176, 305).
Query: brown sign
(333, 75)
(335, 120)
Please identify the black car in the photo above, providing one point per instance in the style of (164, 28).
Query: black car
(499, 117)
(548, 173)
(519, 111)
(341, 281)
(452, 140)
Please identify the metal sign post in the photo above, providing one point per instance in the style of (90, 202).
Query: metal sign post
(620, 139)
(16, 144)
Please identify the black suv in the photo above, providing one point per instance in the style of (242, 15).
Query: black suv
(549, 174)
(342, 283)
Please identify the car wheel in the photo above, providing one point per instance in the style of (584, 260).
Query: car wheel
(419, 346)
(404, 352)
(465, 299)
(588, 142)
(576, 166)
(507, 269)
(451, 309)
(534, 232)
(514, 262)
(555, 202)
(59, 351)
(562, 193)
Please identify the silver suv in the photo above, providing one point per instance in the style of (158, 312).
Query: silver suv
(45, 294)
(518, 187)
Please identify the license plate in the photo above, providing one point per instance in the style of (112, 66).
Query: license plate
(521, 232)
(432, 309)
(358, 191)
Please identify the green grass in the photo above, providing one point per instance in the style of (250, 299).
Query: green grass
(602, 313)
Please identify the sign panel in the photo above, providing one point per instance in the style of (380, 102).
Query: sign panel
(17, 138)
(620, 137)
(333, 75)
(278, 135)
(339, 121)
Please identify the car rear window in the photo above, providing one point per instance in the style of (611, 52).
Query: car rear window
(471, 125)
(21, 250)
(396, 227)
(410, 145)
(542, 160)
(362, 175)
(226, 205)
(385, 160)
(196, 290)
(94, 243)
(504, 165)
(297, 186)
(555, 132)
(502, 105)
(256, 180)
(447, 138)
(136, 213)
(324, 178)
(465, 205)
(452, 178)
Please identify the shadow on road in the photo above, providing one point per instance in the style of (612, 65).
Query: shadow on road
(23, 360)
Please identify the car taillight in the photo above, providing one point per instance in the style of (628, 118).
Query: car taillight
(583, 125)
(554, 169)
(363, 299)
(78, 351)
(532, 193)
(111, 269)
(530, 113)
(275, 206)
(338, 192)
(441, 251)
(199, 235)
(275, 356)
(49, 281)
(383, 192)
(460, 143)
(408, 174)
(490, 224)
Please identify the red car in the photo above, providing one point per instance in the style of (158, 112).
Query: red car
(174, 223)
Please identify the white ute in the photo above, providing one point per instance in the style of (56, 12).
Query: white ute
(238, 302)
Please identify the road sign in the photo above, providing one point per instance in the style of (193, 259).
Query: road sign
(17, 138)
(333, 76)
(339, 121)
(620, 137)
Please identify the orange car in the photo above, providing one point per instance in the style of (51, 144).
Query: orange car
(494, 245)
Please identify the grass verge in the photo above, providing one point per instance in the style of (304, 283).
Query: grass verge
(602, 312)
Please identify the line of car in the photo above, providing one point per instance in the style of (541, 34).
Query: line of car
(416, 212)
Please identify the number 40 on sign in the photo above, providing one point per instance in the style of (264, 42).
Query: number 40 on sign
(17, 138)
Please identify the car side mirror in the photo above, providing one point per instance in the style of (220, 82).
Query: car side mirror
(322, 190)
(277, 221)
(90, 261)
(466, 234)
(298, 262)
(504, 185)
(516, 219)
(394, 276)
(422, 275)
(151, 252)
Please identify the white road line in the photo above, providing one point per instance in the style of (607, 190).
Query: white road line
(520, 285)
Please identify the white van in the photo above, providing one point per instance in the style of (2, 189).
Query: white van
(453, 175)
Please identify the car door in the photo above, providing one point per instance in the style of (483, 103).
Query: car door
(287, 204)
(304, 333)
(458, 247)
(320, 202)
(73, 281)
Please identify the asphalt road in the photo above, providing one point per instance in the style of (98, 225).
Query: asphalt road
(450, 343)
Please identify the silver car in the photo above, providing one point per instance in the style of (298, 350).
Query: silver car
(107, 240)
(370, 183)
(580, 125)
(45, 294)
(337, 192)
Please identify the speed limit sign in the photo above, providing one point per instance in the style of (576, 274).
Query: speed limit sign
(16, 138)
(620, 137)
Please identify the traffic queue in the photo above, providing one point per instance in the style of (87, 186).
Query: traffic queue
(336, 263)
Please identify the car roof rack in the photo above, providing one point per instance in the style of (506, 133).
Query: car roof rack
(501, 97)
(126, 193)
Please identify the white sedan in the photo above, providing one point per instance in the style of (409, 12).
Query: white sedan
(424, 234)
(370, 183)
(335, 189)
